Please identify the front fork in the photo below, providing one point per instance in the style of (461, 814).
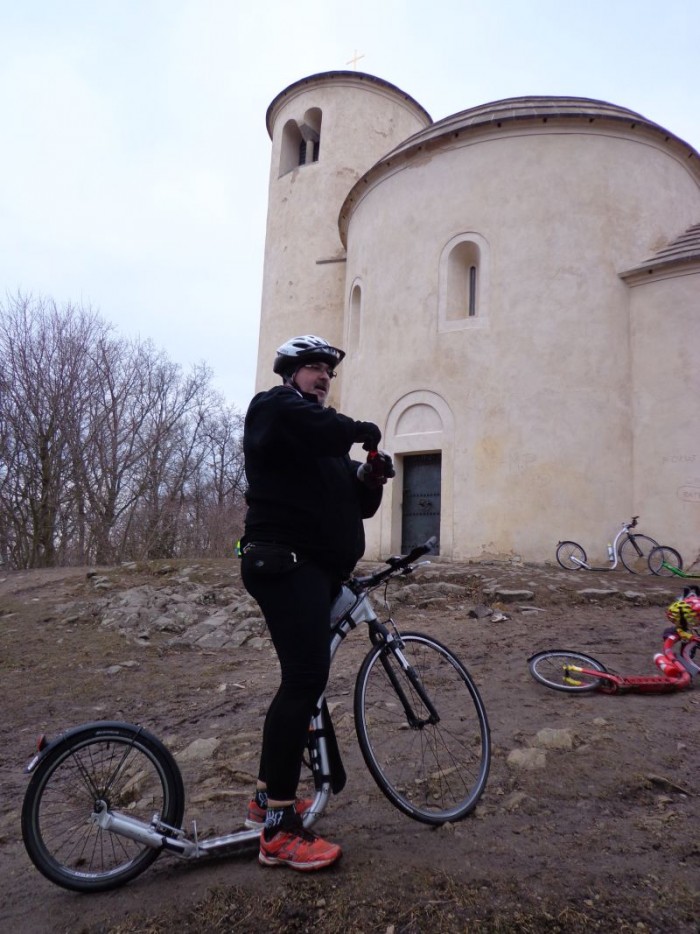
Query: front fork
(381, 635)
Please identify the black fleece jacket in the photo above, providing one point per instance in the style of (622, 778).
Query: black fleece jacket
(303, 489)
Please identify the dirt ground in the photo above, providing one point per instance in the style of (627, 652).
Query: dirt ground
(604, 837)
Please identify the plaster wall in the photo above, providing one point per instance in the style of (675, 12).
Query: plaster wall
(536, 429)
(665, 327)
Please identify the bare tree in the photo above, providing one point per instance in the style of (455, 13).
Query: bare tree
(108, 447)
(41, 362)
(107, 450)
(170, 436)
(216, 501)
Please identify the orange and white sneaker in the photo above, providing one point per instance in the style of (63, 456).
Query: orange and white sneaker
(298, 849)
(256, 814)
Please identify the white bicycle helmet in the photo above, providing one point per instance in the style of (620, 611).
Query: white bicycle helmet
(305, 349)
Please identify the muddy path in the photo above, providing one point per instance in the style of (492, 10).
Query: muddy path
(600, 835)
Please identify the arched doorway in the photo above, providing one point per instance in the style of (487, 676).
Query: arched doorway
(420, 433)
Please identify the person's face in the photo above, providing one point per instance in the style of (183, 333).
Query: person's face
(315, 378)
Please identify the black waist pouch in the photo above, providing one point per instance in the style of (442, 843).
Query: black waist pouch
(268, 558)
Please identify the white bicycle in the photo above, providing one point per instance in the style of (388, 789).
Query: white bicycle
(632, 549)
(106, 798)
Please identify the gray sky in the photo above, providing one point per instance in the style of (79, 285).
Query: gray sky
(134, 159)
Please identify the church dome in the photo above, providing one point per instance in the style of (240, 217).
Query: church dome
(518, 111)
(515, 115)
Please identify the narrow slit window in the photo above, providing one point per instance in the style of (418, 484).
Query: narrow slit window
(472, 291)
(463, 281)
(355, 317)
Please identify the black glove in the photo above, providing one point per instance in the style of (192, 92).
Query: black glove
(386, 465)
(369, 434)
(378, 469)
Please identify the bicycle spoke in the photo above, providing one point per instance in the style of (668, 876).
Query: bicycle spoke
(117, 768)
(432, 767)
(566, 671)
(665, 561)
(634, 553)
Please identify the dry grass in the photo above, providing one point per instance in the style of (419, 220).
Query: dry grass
(435, 903)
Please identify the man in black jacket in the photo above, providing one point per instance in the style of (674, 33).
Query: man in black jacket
(303, 536)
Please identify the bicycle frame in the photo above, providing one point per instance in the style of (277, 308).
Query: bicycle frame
(351, 608)
(624, 684)
(613, 549)
(615, 556)
(678, 572)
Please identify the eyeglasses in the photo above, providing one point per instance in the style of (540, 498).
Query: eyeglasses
(320, 368)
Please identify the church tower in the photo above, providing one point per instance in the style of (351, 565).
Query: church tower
(327, 130)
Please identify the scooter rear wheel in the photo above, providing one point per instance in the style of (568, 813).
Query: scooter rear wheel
(92, 768)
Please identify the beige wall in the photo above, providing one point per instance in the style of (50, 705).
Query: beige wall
(665, 315)
(538, 439)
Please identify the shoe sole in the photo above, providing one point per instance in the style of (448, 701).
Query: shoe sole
(300, 867)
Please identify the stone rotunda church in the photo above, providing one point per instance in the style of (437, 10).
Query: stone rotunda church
(517, 287)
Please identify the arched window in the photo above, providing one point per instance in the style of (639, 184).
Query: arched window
(301, 142)
(291, 147)
(462, 281)
(463, 275)
(311, 131)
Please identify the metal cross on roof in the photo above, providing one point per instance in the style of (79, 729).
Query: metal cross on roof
(354, 60)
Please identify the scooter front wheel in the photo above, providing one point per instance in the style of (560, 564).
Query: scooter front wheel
(561, 669)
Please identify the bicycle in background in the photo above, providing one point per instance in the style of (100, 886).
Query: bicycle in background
(577, 673)
(630, 548)
(667, 562)
(106, 798)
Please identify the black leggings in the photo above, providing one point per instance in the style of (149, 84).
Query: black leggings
(296, 607)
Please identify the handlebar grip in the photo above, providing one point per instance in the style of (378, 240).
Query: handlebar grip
(421, 550)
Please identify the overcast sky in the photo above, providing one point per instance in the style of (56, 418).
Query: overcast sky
(134, 158)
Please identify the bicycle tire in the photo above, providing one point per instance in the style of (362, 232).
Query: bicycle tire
(634, 552)
(690, 653)
(549, 668)
(567, 552)
(434, 772)
(660, 557)
(110, 764)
